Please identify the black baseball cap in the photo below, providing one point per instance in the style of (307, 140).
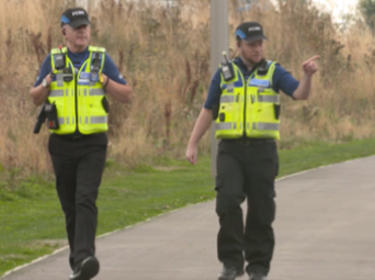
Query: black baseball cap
(250, 31)
(75, 17)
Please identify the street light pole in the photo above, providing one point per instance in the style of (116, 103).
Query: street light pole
(219, 43)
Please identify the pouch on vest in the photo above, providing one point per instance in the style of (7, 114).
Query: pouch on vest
(51, 114)
(222, 117)
(105, 104)
(95, 67)
(215, 111)
(277, 109)
(227, 68)
(262, 67)
(59, 61)
(67, 75)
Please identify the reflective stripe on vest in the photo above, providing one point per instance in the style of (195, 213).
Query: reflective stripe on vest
(269, 98)
(226, 125)
(248, 108)
(266, 126)
(259, 126)
(57, 93)
(93, 120)
(227, 99)
(66, 120)
(80, 96)
(97, 92)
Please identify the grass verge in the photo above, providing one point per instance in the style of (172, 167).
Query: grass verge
(32, 223)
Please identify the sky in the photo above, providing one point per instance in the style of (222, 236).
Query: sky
(338, 8)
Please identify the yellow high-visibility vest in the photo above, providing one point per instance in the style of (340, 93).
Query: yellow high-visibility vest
(249, 108)
(79, 99)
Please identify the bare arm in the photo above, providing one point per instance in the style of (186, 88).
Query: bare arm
(40, 93)
(309, 68)
(200, 127)
(120, 92)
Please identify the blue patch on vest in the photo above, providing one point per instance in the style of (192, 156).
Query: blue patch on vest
(259, 83)
(236, 84)
(84, 78)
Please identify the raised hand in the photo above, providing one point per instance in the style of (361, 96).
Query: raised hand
(310, 66)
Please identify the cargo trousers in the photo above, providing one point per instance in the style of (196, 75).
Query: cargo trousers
(78, 165)
(246, 170)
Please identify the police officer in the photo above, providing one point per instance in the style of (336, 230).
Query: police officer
(76, 80)
(244, 101)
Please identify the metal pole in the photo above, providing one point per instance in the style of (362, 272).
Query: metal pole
(219, 43)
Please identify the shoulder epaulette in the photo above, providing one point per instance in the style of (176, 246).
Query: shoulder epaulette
(59, 50)
(96, 49)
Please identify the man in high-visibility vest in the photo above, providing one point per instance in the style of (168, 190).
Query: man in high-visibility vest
(244, 101)
(75, 81)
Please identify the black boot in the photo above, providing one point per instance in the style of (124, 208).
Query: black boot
(87, 269)
(257, 276)
(229, 273)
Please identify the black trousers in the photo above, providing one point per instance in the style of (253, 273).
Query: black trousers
(246, 168)
(78, 165)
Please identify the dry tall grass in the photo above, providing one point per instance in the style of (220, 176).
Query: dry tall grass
(164, 54)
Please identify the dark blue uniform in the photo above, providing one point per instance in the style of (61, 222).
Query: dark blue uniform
(78, 162)
(246, 168)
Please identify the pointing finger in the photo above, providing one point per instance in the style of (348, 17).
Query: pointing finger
(315, 57)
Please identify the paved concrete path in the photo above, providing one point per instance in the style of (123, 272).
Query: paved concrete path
(325, 230)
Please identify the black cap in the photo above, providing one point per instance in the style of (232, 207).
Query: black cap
(250, 31)
(75, 17)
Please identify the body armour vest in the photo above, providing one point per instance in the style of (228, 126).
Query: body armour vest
(78, 93)
(249, 108)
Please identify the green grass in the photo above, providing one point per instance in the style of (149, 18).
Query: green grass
(130, 196)
(32, 223)
(310, 155)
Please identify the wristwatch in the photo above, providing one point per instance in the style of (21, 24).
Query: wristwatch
(45, 83)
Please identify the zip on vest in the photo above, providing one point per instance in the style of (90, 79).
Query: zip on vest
(76, 96)
(245, 99)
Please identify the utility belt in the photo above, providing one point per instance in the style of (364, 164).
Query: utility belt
(248, 141)
(76, 136)
(71, 146)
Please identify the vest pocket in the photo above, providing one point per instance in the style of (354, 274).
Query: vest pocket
(277, 108)
(105, 104)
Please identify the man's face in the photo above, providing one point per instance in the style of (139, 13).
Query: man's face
(77, 37)
(251, 51)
